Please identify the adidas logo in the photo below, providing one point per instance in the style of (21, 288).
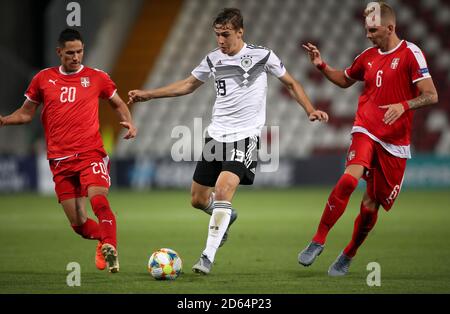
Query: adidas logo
(219, 63)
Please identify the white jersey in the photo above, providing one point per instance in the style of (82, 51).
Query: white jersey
(241, 87)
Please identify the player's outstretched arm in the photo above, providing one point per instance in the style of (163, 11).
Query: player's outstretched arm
(296, 90)
(124, 116)
(179, 88)
(22, 115)
(428, 96)
(336, 76)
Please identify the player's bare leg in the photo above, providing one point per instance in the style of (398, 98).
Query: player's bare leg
(75, 211)
(107, 225)
(364, 223)
(202, 197)
(226, 185)
(335, 207)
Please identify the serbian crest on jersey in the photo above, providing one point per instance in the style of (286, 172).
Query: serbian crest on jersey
(394, 63)
(85, 81)
(351, 155)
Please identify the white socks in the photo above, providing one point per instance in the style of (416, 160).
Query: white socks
(218, 224)
(209, 209)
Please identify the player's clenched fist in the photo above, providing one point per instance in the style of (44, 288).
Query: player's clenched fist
(137, 95)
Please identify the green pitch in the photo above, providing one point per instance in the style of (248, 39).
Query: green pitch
(410, 243)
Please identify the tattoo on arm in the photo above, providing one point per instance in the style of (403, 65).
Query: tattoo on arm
(421, 101)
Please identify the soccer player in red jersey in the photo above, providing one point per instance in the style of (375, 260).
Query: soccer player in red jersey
(396, 83)
(80, 166)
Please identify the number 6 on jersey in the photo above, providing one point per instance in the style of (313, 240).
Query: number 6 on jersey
(379, 79)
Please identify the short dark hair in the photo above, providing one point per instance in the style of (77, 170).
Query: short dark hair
(230, 15)
(68, 34)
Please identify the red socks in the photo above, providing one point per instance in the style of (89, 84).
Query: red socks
(106, 219)
(336, 204)
(89, 230)
(363, 224)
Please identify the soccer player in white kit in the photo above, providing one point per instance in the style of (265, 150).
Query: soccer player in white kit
(229, 155)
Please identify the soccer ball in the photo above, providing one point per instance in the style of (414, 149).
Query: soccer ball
(165, 264)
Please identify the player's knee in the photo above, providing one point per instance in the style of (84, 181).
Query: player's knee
(94, 191)
(370, 205)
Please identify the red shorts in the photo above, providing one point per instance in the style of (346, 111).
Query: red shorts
(73, 175)
(385, 172)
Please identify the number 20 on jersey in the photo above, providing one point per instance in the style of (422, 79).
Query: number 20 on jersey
(67, 94)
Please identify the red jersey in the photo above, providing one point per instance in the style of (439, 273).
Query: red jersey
(70, 108)
(389, 78)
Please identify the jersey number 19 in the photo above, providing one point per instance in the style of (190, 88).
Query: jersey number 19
(221, 88)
